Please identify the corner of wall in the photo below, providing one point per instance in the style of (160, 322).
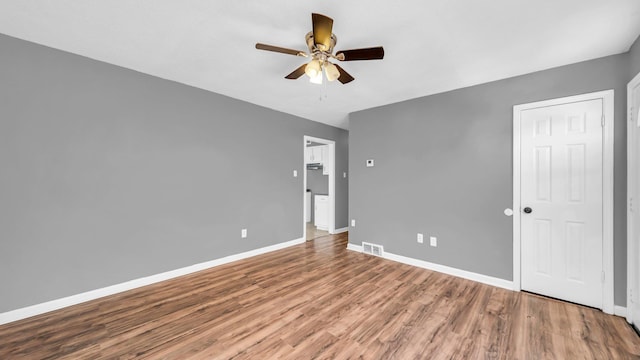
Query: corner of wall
(634, 57)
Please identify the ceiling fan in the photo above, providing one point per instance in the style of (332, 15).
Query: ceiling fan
(321, 42)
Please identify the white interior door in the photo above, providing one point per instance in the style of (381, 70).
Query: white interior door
(561, 199)
(633, 212)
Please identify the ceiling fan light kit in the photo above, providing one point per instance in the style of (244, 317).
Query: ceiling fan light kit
(331, 71)
(317, 79)
(313, 68)
(321, 42)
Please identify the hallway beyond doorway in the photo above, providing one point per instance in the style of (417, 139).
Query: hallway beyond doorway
(314, 233)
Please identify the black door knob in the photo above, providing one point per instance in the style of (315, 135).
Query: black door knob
(527, 210)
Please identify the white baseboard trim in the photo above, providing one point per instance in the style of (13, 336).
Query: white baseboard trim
(354, 247)
(341, 230)
(485, 279)
(489, 280)
(620, 311)
(29, 311)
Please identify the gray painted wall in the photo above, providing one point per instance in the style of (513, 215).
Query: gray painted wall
(109, 175)
(634, 54)
(318, 184)
(443, 167)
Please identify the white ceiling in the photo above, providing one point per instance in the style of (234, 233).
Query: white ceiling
(430, 46)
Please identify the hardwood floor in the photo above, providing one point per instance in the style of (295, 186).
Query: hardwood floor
(314, 233)
(318, 300)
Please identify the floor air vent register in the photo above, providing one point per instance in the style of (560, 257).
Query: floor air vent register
(372, 249)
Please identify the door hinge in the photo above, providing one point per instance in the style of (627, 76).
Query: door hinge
(602, 120)
(602, 277)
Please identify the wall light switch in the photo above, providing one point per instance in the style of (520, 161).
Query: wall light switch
(420, 238)
(433, 241)
(370, 163)
(243, 233)
(295, 173)
(353, 222)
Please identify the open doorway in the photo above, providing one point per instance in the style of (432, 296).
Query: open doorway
(319, 187)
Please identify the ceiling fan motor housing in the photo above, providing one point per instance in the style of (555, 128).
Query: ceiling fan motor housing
(313, 48)
(321, 42)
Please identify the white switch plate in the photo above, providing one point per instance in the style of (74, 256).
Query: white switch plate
(433, 241)
(420, 238)
(295, 173)
(353, 222)
(370, 163)
(243, 233)
(344, 175)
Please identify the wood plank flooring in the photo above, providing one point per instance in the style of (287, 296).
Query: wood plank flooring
(314, 233)
(318, 300)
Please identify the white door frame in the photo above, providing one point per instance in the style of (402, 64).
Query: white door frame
(632, 174)
(332, 183)
(607, 188)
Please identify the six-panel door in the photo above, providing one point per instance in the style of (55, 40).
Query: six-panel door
(561, 184)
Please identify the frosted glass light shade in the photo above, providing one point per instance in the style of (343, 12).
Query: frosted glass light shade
(331, 71)
(316, 79)
(313, 69)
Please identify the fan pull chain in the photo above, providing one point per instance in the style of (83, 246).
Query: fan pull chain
(323, 90)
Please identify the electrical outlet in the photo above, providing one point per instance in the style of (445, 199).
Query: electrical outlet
(295, 173)
(353, 222)
(243, 233)
(420, 238)
(344, 175)
(433, 241)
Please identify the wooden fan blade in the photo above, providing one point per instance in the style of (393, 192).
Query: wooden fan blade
(373, 53)
(322, 28)
(278, 49)
(297, 72)
(344, 76)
